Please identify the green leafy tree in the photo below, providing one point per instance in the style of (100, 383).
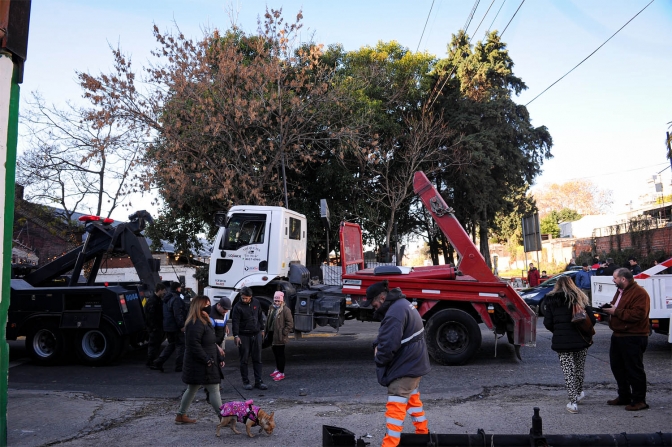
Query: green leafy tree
(550, 224)
(505, 152)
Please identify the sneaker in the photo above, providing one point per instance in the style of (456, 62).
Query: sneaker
(261, 385)
(278, 377)
(572, 408)
(580, 397)
(247, 386)
(275, 373)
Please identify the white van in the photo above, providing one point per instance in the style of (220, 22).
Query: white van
(659, 288)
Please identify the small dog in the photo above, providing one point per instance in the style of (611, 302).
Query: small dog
(248, 414)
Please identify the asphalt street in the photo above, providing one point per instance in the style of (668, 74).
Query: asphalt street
(330, 381)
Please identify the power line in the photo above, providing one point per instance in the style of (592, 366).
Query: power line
(425, 27)
(626, 23)
(618, 172)
(514, 14)
(496, 15)
(471, 16)
(484, 16)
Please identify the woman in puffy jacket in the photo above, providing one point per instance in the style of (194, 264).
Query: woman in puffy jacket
(203, 359)
(570, 344)
(278, 326)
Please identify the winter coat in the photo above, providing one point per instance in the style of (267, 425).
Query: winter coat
(631, 316)
(558, 320)
(401, 348)
(154, 313)
(635, 269)
(199, 348)
(582, 279)
(247, 319)
(174, 312)
(220, 323)
(607, 270)
(533, 277)
(282, 322)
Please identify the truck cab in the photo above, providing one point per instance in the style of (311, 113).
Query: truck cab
(254, 246)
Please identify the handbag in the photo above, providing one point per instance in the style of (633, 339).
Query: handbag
(583, 324)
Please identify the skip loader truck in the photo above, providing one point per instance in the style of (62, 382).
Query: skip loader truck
(58, 313)
(264, 248)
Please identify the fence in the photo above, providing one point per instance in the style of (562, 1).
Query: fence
(332, 274)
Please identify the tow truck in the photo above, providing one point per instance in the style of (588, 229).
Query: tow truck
(56, 308)
(264, 248)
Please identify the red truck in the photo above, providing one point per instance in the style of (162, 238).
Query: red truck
(452, 301)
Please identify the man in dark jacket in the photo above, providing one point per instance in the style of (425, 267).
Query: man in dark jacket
(629, 321)
(608, 269)
(154, 319)
(635, 268)
(174, 316)
(247, 324)
(401, 359)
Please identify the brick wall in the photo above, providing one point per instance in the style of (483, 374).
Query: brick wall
(659, 239)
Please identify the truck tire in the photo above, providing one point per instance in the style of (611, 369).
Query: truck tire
(453, 337)
(45, 343)
(97, 347)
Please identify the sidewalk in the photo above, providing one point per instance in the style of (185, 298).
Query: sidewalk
(42, 418)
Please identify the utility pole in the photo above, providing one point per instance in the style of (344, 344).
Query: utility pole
(14, 21)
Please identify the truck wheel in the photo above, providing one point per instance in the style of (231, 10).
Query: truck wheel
(96, 347)
(45, 343)
(453, 337)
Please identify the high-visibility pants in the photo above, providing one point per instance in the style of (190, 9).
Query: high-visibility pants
(397, 407)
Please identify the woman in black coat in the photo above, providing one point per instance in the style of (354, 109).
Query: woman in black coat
(203, 359)
(568, 342)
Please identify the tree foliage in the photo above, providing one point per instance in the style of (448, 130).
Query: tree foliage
(583, 196)
(550, 224)
(505, 152)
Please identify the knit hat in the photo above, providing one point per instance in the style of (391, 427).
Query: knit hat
(279, 296)
(225, 303)
(376, 289)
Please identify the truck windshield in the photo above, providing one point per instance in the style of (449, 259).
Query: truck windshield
(243, 229)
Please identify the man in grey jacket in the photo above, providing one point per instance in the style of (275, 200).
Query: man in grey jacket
(401, 359)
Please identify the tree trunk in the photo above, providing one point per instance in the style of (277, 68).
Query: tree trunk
(483, 236)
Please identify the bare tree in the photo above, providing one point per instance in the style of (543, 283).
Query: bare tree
(74, 162)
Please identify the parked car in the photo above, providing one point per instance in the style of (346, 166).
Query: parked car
(535, 296)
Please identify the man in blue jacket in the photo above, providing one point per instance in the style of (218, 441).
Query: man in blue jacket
(582, 280)
(401, 359)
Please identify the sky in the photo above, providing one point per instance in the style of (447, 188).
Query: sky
(608, 117)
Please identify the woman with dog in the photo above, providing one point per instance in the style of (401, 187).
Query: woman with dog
(570, 344)
(203, 359)
(278, 326)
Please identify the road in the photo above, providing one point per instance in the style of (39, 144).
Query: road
(331, 380)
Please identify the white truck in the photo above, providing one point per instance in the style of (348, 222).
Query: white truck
(254, 245)
(659, 288)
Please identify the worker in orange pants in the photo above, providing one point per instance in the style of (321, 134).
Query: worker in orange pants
(405, 399)
(401, 359)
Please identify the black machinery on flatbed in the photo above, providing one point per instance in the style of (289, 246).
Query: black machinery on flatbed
(56, 313)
